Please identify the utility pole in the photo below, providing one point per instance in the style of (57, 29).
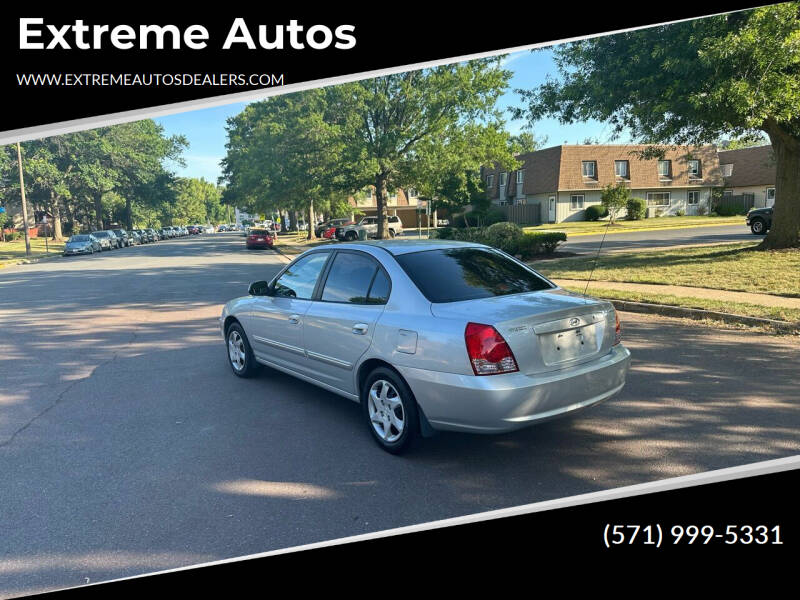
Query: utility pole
(24, 203)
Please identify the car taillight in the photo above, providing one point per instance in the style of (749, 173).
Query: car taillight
(488, 352)
(617, 330)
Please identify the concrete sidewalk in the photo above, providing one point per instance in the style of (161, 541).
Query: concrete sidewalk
(686, 292)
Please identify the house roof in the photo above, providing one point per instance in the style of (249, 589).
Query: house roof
(751, 166)
(559, 168)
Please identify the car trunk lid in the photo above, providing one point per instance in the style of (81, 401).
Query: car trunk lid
(546, 330)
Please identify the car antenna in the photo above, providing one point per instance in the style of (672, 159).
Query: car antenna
(596, 256)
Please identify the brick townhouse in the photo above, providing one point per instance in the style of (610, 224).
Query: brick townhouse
(749, 171)
(564, 180)
(403, 203)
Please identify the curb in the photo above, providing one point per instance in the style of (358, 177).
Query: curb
(698, 313)
(281, 254)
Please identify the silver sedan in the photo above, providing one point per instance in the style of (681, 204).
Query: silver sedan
(429, 335)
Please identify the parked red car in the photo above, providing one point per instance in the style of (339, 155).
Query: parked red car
(260, 238)
(329, 233)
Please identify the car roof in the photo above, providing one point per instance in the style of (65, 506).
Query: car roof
(398, 247)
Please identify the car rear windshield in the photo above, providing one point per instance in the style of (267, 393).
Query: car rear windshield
(258, 232)
(455, 274)
(79, 238)
(100, 234)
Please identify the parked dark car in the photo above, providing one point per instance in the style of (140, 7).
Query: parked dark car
(193, 229)
(325, 226)
(759, 220)
(84, 243)
(108, 241)
(260, 238)
(123, 237)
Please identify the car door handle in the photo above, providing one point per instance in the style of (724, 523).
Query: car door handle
(294, 319)
(360, 328)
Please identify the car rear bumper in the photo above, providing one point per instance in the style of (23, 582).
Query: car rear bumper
(259, 244)
(499, 403)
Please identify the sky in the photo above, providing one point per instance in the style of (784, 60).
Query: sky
(205, 128)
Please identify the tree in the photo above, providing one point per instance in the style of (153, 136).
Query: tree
(693, 82)
(281, 155)
(390, 125)
(615, 198)
(526, 141)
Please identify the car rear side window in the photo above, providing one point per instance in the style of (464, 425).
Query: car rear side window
(379, 292)
(300, 279)
(455, 274)
(349, 278)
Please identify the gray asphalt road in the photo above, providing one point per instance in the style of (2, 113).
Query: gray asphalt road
(126, 445)
(661, 238)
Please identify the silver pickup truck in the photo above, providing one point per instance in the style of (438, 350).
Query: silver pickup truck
(369, 225)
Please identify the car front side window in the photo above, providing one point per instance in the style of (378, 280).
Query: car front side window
(300, 279)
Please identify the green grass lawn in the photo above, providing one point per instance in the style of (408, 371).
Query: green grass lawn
(13, 251)
(737, 308)
(734, 267)
(592, 227)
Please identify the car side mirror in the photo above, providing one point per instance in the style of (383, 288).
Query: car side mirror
(259, 288)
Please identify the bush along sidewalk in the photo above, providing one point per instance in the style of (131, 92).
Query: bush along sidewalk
(508, 237)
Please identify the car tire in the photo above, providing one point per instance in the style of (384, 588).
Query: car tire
(390, 410)
(758, 227)
(391, 233)
(350, 236)
(240, 354)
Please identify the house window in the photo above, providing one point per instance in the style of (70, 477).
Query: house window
(727, 193)
(727, 170)
(693, 198)
(770, 196)
(658, 198)
(694, 168)
(664, 168)
(369, 193)
(621, 168)
(489, 181)
(576, 201)
(412, 193)
(503, 178)
(589, 168)
(520, 176)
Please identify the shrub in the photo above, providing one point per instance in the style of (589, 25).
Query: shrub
(508, 237)
(540, 242)
(637, 209)
(595, 212)
(14, 235)
(680, 213)
(702, 210)
(492, 216)
(505, 236)
(727, 210)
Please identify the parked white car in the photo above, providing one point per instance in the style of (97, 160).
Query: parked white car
(369, 225)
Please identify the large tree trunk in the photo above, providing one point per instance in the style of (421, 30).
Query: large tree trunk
(58, 235)
(380, 203)
(785, 230)
(128, 217)
(98, 210)
(311, 233)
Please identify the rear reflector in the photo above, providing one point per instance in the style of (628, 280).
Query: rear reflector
(488, 352)
(617, 330)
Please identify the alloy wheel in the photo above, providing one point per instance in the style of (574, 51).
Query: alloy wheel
(236, 350)
(386, 411)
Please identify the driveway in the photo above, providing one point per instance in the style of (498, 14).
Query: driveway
(127, 446)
